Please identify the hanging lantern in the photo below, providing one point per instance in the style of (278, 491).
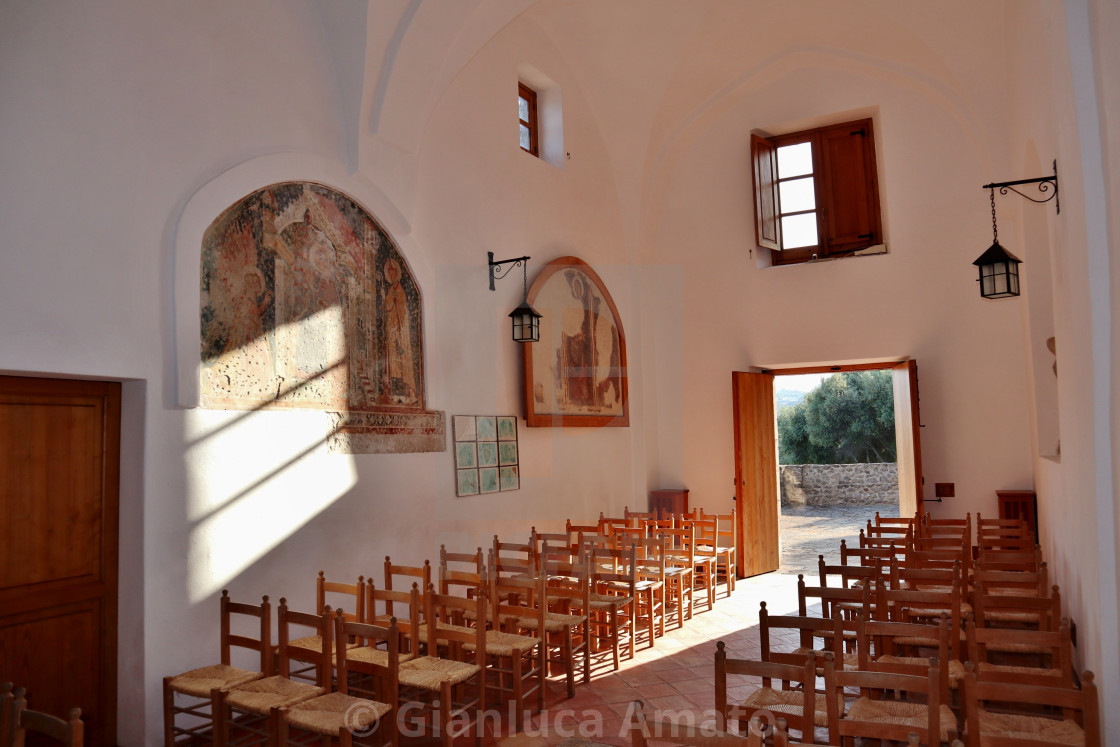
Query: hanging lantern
(526, 323)
(999, 272)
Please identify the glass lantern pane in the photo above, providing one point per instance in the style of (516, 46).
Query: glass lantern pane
(522, 109)
(987, 286)
(795, 160)
(525, 142)
(999, 283)
(799, 230)
(797, 195)
(1013, 282)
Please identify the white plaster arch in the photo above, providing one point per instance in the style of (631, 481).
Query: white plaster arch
(214, 197)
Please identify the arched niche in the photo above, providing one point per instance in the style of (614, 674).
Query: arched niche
(306, 302)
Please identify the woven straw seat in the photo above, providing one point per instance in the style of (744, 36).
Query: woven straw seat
(261, 696)
(330, 714)
(505, 644)
(429, 672)
(314, 643)
(423, 630)
(199, 682)
(554, 622)
(851, 661)
(1019, 618)
(966, 608)
(1031, 727)
(985, 667)
(956, 668)
(1006, 647)
(789, 702)
(607, 601)
(901, 713)
(378, 656)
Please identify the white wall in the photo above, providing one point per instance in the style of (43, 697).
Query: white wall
(128, 126)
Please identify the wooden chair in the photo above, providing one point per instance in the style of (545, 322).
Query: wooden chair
(331, 595)
(1050, 653)
(1018, 611)
(339, 716)
(895, 648)
(788, 700)
(706, 557)
(512, 559)
(614, 579)
(649, 565)
(516, 663)
(69, 731)
(197, 685)
(567, 629)
(725, 549)
(1078, 721)
(640, 516)
(608, 525)
(680, 566)
(401, 578)
(918, 708)
(448, 690)
(246, 709)
(7, 704)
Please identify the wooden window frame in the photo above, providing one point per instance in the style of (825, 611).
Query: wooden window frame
(524, 92)
(846, 187)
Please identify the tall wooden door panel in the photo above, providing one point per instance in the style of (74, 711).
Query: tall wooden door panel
(908, 438)
(60, 463)
(756, 472)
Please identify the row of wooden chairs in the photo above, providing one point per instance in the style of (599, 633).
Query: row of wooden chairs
(18, 722)
(880, 622)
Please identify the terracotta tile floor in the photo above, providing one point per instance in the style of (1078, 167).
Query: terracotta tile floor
(676, 679)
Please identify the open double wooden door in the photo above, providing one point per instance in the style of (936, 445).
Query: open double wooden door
(756, 461)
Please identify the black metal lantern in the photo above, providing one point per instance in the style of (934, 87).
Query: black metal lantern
(526, 323)
(526, 319)
(999, 272)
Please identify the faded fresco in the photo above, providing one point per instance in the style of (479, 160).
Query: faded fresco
(578, 367)
(306, 303)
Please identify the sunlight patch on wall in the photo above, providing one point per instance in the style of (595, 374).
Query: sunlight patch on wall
(257, 479)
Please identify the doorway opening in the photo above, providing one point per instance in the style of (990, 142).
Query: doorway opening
(837, 461)
(756, 460)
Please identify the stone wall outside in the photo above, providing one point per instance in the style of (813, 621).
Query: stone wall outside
(839, 484)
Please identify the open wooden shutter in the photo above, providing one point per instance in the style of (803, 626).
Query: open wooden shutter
(764, 164)
(850, 192)
(756, 472)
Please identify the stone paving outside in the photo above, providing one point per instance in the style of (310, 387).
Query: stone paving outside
(809, 531)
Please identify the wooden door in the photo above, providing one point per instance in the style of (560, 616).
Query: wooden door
(756, 472)
(908, 437)
(59, 478)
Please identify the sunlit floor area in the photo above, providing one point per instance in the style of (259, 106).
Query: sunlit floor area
(809, 531)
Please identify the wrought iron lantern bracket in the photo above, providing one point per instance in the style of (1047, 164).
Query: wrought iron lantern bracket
(1044, 187)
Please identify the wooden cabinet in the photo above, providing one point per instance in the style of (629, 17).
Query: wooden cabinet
(669, 501)
(1019, 504)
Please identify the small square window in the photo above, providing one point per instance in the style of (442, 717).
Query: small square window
(527, 116)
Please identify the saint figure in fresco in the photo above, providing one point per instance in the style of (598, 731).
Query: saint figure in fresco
(399, 362)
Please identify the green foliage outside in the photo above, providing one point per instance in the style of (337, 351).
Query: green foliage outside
(849, 418)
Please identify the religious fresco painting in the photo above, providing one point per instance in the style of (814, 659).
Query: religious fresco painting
(576, 374)
(485, 454)
(306, 303)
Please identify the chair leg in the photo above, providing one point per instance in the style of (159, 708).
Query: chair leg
(168, 714)
(445, 715)
(518, 694)
(570, 664)
(614, 637)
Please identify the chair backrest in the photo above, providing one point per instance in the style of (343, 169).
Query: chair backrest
(512, 558)
(556, 539)
(845, 576)
(804, 674)
(260, 614)
(680, 545)
(515, 597)
(673, 733)
(460, 570)
(1010, 560)
(1029, 583)
(383, 669)
(575, 590)
(899, 603)
(69, 731)
(640, 515)
(344, 596)
(608, 525)
(927, 689)
(615, 567)
(406, 607)
(1080, 703)
(883, 638)
(1057, 643)
(831, 597)
(453, 611)
(322, 625)
(1011, 610)
(870, 557)
(830, 630)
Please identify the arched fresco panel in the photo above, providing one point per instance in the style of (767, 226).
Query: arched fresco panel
(306, 303)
